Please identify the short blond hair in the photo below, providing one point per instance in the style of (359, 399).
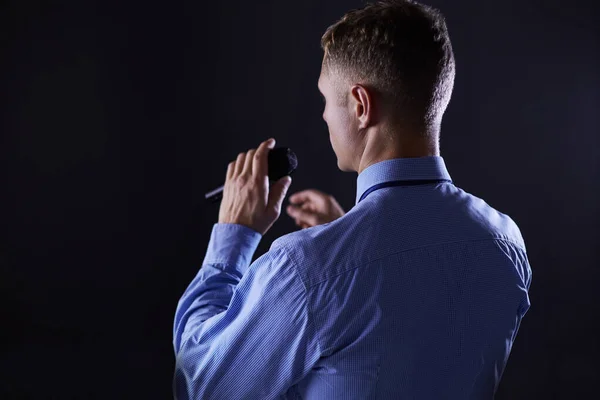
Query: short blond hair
(401, 50)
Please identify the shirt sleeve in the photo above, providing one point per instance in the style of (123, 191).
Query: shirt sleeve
(254, 346)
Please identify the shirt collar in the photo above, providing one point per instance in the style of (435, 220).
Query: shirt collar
(414, 168)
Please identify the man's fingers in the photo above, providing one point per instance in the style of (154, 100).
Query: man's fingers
(260, 160)
(300, 197)
(248, 162)
(230, 170)
(239, 164)
(302, 215)
(309, 195)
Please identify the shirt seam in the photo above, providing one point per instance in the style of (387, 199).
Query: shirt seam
(414, 248)
(308, 306)
(217, 263)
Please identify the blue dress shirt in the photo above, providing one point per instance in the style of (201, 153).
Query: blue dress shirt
(416, 293)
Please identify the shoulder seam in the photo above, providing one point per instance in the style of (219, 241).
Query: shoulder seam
(414, 248)
(308, 307)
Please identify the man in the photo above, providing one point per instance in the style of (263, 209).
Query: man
(416, 293)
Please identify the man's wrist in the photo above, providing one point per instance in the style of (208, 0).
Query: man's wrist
(232, 245)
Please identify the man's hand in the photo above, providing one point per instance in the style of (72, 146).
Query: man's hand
(247, 199)
(312, 207)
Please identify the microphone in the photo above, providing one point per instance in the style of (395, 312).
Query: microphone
(281, 161)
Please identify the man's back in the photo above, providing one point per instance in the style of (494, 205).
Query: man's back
(417, 292)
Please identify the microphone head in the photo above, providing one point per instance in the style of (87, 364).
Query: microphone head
(282, 161)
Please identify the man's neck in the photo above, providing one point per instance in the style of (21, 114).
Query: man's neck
(377, 151)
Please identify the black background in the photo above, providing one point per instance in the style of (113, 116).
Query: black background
(117, 118)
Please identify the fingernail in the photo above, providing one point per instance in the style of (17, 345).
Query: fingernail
(271, 142)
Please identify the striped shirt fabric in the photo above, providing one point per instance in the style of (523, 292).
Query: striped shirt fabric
(416, 293)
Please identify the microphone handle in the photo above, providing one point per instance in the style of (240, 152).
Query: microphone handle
(215, 195)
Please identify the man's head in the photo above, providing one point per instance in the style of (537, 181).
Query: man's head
(387, 77)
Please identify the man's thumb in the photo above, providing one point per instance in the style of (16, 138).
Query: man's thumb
(277, 193)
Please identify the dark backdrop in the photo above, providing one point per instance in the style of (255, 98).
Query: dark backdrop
(116, 119)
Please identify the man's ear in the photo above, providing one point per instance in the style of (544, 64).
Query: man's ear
(363, 106)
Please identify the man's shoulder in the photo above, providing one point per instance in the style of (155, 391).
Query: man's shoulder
(308, 239)
(312, 249)
(497, 223)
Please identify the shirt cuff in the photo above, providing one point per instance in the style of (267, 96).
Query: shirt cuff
(232, 245)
